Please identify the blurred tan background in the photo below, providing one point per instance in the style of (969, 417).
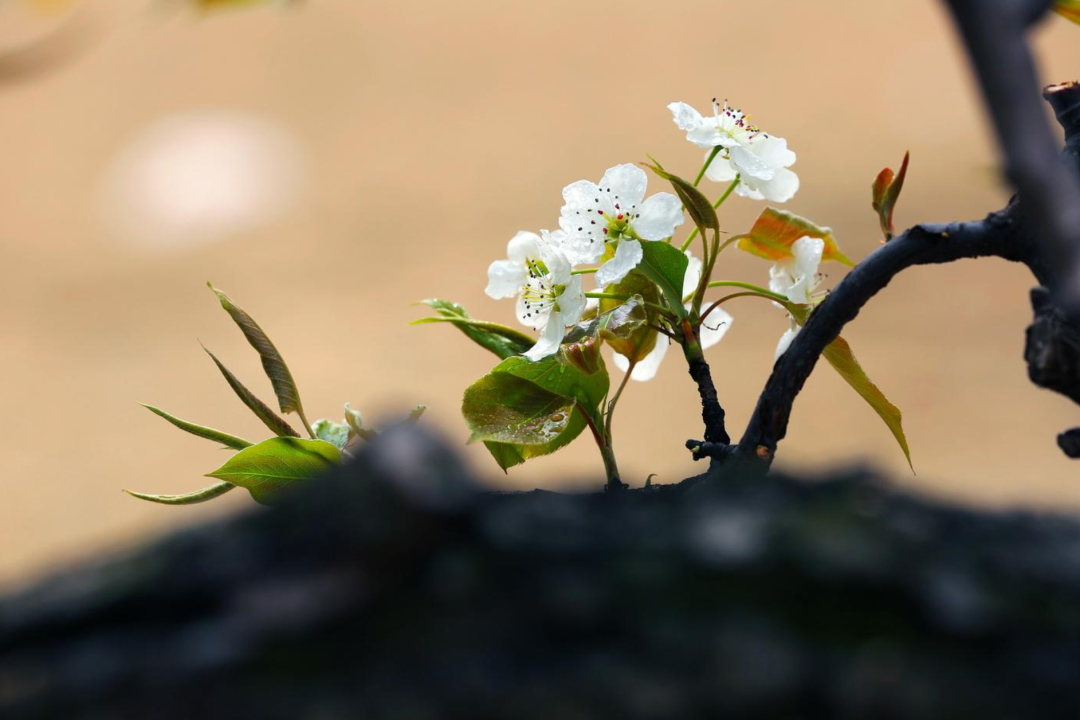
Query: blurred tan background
(392, 149)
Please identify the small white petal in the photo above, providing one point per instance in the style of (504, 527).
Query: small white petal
(693, 273)
(658, 217)
(583, 219)
(720, 169)
(686, 117)
(785, 342)
(523, 246)
(774, 150)
(750, 165)
(572, 301)
(627, 257)
(808, 252)
(647, 367)
(782, 187)
(505, 278)
(714, 327)
(625, 186)
(534, 317)
(558, 266)
(550, 338)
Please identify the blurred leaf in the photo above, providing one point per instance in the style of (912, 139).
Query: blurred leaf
(271, 419)
(355, 421)
(415, 414)
(274, 365)
(665, 265)
(337, 434)
(777, 230)
(503, 341)
(701, 210)
(272, 465)
(231, 4)
(199, 496)
(839, 355)
(887, 189)
(1069, 9)
(229, 441)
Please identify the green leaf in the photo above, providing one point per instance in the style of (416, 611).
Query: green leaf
(665, 265)
(556, 376)
(777, 230)
(355, 421)
(229, 441)
(697, 205)
(337, 434)
(501, 340)
(620, 326)
(839, 355)
(643, 340)
(199, 496)
(271, 419)
(887, 189)
(274, 365)
(272, 465)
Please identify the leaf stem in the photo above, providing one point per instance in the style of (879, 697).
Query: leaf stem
(583, 271)
(747, 286)
(611, 468)
(716, 206)
(615, 399)
(708, 161)
(307, 425)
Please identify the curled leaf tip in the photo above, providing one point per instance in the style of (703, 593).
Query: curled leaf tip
(886, 191)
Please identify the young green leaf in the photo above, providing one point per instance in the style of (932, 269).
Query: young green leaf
(229, 441)
(777, 230)
(503, 408)
(271, 419)
(620, 326)
(665, 265)
(194, 498)
(839, 355)
(697, 205)
(337, 434)
(272, 465)
(1069, 9)
(501, 340)
(415, 414)
(887, 189)
(556, 376)
(642, 341)
(274, 365)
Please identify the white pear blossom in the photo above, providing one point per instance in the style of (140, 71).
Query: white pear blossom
(614, 212)
(760, 160)
(549, 297)
(712, 330)
(796, 279)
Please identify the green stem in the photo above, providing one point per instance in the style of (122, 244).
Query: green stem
(724, 299)
(708, 161)
(307, 425)
(614, 296)
(747, 286)
(716, 206)
(583, 271)
(611, 468)
(615, 399)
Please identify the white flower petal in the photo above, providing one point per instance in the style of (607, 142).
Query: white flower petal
(785, 342)
(627, 256)
(720, 169)
(658, 217)
(523, 246)
(750, 165)
(748, 189)
(686, 117)
(808, 252)
(774, 150)
(714, 327)
(558, 266)
(693, 273)
(625, 187)
(505, 278)
(646, 368)
(572, 301)
(583, 220)
(535, 316)
(782, 187)
(550, 338)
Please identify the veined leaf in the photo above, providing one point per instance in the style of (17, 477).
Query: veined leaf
(271, 419)
(503, 408)
(1069, 9)
(274, 365)
(561, 378)
(665, 265)
(887, 189)
(777, 230)
(643, 340)
(501, 340)
(194, 498)
(701, 210)
(272, 465)
(229, 441)
(621, 326)
(839, 355)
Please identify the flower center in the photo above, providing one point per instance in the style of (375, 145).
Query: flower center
(539, 293)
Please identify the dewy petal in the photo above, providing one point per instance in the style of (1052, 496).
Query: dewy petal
(658, 217)
(720, 169)
(582, 219)
(558, 266)
(693, 273)
(750, 165)
(714, 327)
(686, 117)
(625, 187)
(627, 256)
(505, 278)
(808, 252)
(646, 368)
(785, 342)
(572, 301)
(550, 338)
(782, 187)
(523, 246)
(774, 150)
(535, 317)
